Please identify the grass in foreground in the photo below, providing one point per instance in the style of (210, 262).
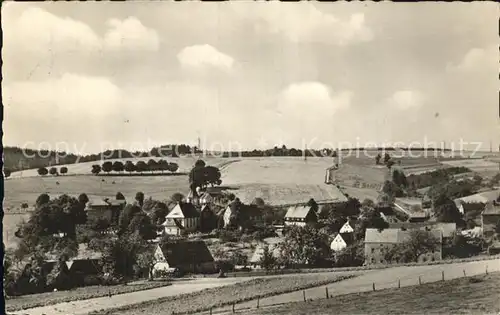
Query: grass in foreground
(49, 298)
(474, 295)
(221, 296)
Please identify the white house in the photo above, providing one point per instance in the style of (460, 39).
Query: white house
(346, 228)
(338, 243)
(184, 216)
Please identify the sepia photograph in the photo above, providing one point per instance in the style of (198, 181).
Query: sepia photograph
(250, 157)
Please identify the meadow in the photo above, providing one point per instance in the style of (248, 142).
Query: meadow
(475, 295)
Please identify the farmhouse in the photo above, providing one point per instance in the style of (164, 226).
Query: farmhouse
(105, 209)
(86, 263)
(248, 213)
(183, 216)
(186, 256)
(474, 202)
(341, 241)
(300, 215)
(490, 218)
(347, 228)
(377, 243)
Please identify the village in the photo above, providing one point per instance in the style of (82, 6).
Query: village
(210, 231)
(250, 157)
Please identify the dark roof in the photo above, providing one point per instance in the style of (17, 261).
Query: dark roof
(348, 238)
(183, 210)
(447, 229)
(186, 252)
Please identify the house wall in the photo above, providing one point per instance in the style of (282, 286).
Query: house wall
(489, 223)
(338, 244)
(227, 216)
(375, 252)
(294, 221)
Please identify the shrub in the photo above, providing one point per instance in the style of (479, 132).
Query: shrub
(91, 280)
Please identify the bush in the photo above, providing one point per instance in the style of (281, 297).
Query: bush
(224, 266)
(91, 280)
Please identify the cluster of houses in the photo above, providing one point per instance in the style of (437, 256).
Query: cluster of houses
(405, 215)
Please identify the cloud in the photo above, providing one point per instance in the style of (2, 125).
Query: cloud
(477, 59)
(314, 97)
(303, 22)
(38, 31)
(204, 55)
(130, 34)
(406, 99)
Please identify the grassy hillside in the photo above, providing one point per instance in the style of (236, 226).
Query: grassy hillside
(476, 295)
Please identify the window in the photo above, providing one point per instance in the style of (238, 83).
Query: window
(373, 260)
(373, 250)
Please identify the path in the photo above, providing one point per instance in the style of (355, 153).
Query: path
(96, 304)
(383, 279)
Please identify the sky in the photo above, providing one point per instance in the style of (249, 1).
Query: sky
(84, 77)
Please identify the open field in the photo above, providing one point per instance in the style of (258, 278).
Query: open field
(84, 293)
(280, 180)
(476, 165)
(475, 295)
(242, 291)
(383, 279)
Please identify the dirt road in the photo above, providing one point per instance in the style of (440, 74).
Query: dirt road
(96, 304)
(384, 278)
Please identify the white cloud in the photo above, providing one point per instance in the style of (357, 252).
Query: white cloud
(406, 99)
(204, 55)
(303, 22)
(130, 34)
(312, 97)
(38, 31)
(478, 59)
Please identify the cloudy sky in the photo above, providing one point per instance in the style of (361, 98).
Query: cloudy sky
(131, 75)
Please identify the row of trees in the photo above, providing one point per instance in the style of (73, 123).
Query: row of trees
(42, 171)
(140, 166)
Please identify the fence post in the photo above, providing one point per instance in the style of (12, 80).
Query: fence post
(442, 275)
(486, 269)
(304, 295)
(326, 291)
(465, 274)
(419, 280)
(210, 311)
(233, 307)
(399, 283)
(258, 302)
(373, 286)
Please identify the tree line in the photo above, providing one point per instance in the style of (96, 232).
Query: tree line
(42, 171)
(140, 167)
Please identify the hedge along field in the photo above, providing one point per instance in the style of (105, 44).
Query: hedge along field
(226, 295)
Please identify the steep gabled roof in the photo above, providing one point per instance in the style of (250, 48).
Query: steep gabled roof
(183, 211)
(298, 212)
(186, 252)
